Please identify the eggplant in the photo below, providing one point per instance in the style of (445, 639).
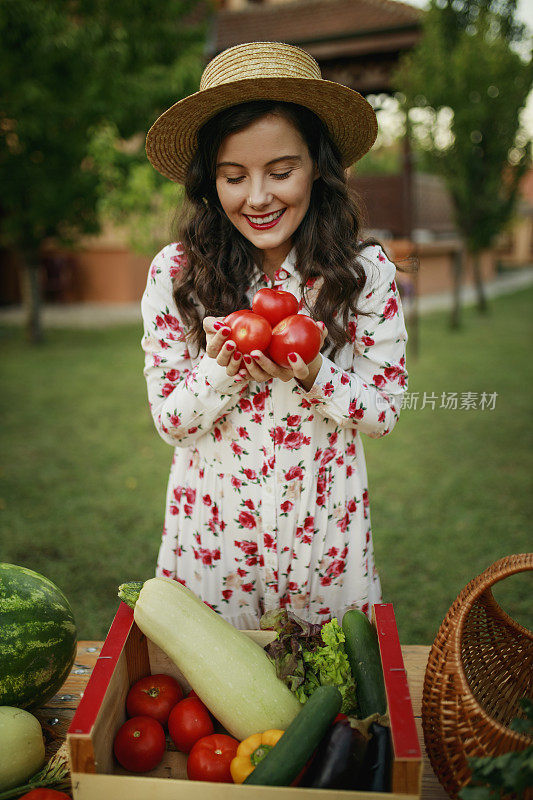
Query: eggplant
(375, 775)
(339, 759)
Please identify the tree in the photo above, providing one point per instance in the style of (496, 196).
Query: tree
(466, 68)
(66, 68)
(131, 193)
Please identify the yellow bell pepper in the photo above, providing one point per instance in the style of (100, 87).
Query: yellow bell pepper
(251, 751)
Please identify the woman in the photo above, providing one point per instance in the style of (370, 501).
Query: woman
(267, 501)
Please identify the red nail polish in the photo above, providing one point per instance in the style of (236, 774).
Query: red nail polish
(236, 355)
(247, 359)
(229, 345)
(292, 356)
(226, 331)
(217, 325)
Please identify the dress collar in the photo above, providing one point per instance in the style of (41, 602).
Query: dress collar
(286, 270)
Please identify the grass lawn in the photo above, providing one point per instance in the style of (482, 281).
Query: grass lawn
(84, 472)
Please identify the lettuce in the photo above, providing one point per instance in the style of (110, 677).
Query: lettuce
(307, 656)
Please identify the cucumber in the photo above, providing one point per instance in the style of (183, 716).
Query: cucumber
(362, 649)
(290, 755)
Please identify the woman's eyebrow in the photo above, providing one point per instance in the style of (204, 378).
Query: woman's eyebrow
(268, 164)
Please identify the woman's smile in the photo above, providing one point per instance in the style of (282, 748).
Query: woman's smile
(266, 221)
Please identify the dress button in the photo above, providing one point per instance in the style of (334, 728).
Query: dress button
(282, 274)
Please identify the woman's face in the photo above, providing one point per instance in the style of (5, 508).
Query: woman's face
(264, 177)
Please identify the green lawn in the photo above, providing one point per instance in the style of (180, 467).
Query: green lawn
(84, 472)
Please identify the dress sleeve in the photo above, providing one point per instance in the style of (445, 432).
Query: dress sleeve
(185, 399)
(369, 396)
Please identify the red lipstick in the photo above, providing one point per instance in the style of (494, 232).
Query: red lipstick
(266, 225)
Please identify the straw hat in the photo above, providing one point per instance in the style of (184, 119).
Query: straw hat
(260, 71)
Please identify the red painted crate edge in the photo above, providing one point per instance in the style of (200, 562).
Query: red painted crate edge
(90, 703)
(403, 726)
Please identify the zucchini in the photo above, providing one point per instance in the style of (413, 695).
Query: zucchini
(362, 649)
(289, 756)
(229, 672)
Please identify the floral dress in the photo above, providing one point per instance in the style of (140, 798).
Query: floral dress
(267, 503)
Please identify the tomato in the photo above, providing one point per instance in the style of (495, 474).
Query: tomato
(153, 696)
(296, 334)
(192, 694)
(249, 331)
(339, 718)
(139, 744)
(210, 758)
(274, 305)
(189, 720)
(45, 794)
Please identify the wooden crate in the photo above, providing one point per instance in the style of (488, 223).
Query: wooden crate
(128, 655)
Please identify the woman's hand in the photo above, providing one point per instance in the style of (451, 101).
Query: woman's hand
(260, 368)
(222, 349)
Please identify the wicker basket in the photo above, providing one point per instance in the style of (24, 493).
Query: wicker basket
(480, 665)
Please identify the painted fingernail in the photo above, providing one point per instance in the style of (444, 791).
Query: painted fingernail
(229, 345)
(247, 359)
(292, 357)
(255, 356)
(217, 325)
(236, 355)
(226, 331)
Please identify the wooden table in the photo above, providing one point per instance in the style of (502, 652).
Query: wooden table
(56, 715)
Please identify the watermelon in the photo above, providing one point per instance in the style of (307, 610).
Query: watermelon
(37, 637)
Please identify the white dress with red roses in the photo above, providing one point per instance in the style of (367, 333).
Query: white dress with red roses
(267, 501)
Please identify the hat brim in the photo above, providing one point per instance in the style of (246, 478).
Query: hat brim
(350, 119)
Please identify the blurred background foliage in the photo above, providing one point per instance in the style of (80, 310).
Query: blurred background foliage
(466, 67)
(75, 75)
(131, 194)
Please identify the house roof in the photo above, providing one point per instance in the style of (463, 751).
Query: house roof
(311, 21)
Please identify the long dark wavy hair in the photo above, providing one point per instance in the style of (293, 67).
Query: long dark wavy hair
(221, 259)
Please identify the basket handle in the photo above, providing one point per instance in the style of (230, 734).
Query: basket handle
(509, 565)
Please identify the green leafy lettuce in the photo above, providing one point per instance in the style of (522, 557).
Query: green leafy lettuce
(307, 656)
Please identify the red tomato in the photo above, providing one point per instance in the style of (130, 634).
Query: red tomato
(296, 334)
(249, 331)
(153, 696)
(339, 718)
(45, 794)
(192, 694)
(210, 758)
(274, 305)
(139, 744)
(189, 720)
